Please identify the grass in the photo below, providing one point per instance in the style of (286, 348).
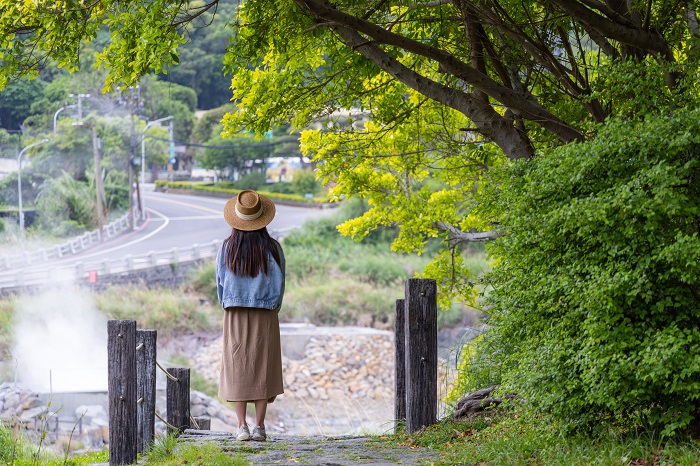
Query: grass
(20, 452)
(167, 311)
(166, 452)
(513, 439)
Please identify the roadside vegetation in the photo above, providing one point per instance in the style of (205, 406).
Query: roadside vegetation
(516, 438)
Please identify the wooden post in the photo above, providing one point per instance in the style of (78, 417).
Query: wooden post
(421, 353)
(203, 423)
(399, 364)
(121, 374)
(178, 399)
(146, 387)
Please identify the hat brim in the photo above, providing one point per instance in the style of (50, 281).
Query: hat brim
(249, 225)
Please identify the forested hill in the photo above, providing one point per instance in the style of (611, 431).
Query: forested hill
(200, 68)
(202, 57)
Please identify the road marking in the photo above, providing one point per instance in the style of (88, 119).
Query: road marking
(186, 204)
(130, 243)
(198, 217)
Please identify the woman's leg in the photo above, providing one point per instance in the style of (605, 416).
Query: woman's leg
(240, 406)
(260, 411)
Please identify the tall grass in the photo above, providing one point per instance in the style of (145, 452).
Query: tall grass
(166, 311)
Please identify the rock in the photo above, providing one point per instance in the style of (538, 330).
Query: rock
(32, 413)
(12, 401)
(89, 412)
(198, 410)
(30, 402)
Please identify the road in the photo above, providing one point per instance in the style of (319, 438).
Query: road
(173, 221)
(180, 221)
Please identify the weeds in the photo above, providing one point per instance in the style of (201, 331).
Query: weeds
(512, 439)
(166, 452)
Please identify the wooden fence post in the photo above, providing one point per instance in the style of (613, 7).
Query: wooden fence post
(399, 363)
(146, 387)
(121, 374)
(178, 399)
(421, 353)
(203, 423)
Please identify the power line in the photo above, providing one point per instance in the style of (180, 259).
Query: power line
(239, 146)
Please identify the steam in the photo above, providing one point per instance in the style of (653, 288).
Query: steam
(61, 342)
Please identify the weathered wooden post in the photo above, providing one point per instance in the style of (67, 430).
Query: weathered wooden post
(399, 363)
(421, 353)
(145, 387)
(121, 373)
(178, 399)
(203, 423)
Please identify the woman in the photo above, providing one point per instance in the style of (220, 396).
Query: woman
(250, 283)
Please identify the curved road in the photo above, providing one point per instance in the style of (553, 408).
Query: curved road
(175, 220)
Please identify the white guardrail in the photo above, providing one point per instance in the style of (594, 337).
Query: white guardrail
(91, 270)
(71, 247)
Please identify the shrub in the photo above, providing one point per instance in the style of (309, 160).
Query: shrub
(305, 182)
(595, 308)
(250, 181)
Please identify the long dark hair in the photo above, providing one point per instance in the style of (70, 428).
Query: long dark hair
(247, 252)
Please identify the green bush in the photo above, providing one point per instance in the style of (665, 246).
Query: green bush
(595, 307)
(304, 182)
(282, 187)
(250, 181)
(2, 226)
(380, 269)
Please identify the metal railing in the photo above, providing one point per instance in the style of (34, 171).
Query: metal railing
(81, 243)
(85, 271)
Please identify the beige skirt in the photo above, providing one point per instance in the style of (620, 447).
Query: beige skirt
(251, 363)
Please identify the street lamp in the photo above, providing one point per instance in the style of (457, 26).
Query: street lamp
(143, 158)
(19, 191)
(55, 115)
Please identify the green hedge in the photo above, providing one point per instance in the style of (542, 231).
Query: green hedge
(213, 188)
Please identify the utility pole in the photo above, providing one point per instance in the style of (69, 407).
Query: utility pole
(80, 105)
(98, 179)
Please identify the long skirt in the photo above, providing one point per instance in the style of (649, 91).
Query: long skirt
(251, 363)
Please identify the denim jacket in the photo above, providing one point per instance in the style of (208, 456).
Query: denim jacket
(264, 291)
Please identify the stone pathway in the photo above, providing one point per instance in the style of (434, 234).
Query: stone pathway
(290, 450)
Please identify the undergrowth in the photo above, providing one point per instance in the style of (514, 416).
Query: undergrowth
(514, 439)
(166, 452)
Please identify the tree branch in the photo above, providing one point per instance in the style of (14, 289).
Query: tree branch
(456, 236)
(448, 63)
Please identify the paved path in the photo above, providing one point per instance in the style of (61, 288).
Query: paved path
(288, 450)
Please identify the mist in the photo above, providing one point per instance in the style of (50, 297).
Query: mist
(60, 342)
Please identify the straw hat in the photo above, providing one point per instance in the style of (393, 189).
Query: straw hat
(249, 211)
